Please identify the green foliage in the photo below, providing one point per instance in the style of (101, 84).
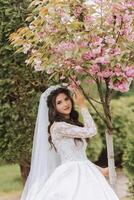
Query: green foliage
(123, 124)
(128, 163)
(128, 160)
(94, 148)
(19, 91)
(123, 120)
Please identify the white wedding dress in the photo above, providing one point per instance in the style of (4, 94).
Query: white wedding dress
(76, 178)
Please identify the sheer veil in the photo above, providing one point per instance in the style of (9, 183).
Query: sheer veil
(44, 159)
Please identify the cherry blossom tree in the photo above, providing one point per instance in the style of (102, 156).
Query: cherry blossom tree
(79, 43)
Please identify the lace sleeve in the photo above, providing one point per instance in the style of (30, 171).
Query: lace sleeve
(74, 131)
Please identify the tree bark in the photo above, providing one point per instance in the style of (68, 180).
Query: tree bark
(111, 162)
(24, 169)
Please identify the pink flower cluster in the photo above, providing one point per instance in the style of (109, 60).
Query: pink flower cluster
(87, 55)
(26, 47)
(74, 83)
(69, 63)
(37, 64)
(120, 85)
(122, 17)
(64, 46)
(129, 71)
(119, 79)
(77, 11)
(88, 20)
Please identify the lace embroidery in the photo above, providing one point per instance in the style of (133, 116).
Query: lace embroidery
(73, 131)
(63, 135)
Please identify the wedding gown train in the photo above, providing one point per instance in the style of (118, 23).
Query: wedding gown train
(76, 178)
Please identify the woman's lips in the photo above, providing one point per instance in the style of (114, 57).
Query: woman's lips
(67, 108)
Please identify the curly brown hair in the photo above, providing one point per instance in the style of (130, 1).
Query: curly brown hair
(55, 116)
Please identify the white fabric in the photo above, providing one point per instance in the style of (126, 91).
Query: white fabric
(44, 159)
(76, 178)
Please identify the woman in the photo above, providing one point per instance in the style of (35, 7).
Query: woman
(74, 177)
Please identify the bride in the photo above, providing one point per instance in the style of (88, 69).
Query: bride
(60, 169)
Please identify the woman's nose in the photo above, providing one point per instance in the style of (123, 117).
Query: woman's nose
(65, 104)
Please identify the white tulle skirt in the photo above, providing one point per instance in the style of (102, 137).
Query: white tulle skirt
(76, 180)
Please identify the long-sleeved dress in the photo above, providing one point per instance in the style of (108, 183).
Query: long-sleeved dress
(76, 178)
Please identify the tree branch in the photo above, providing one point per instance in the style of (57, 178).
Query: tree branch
(93, 106)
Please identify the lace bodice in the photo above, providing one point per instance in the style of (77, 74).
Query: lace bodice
(63, 135)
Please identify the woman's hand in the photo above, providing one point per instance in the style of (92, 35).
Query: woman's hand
(79, 98)
(105, 171)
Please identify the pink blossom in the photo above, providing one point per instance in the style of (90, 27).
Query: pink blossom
(78, 68)
(88, 19)
(116, 51)
(59, 11)
(87, 22)
(49, 70)
(41, 34)
(62, 77)
(65, 18)
(102, 60)
(37, 64)
(82, 44)
(130, 37)
(49, 20)
(69, 62)
(120, 85)
(118, 72)
(110, 40)
(87, 55)
(97, 41)
(94, 69)
(73, 85)
(129, 4)
(127, 18)
(64, 46)
(26, 47)
(126, 30)
(117, 7)
(129, 71)
(110, 20)
(97, 51)
(105, 74)
(77, 11)
(118, 20)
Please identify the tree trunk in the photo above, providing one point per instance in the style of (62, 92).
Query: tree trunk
(24, 169)
(111, 162)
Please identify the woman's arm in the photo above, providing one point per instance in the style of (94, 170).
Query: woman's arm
(73, 131)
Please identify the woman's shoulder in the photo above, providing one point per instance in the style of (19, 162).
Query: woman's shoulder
(57, 125)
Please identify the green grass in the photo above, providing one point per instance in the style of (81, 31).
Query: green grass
(10, 180)
(127, 198)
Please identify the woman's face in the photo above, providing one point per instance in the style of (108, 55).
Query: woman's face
(63, 104)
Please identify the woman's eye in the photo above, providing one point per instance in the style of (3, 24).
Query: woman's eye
(58, 102)
(66, 98)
